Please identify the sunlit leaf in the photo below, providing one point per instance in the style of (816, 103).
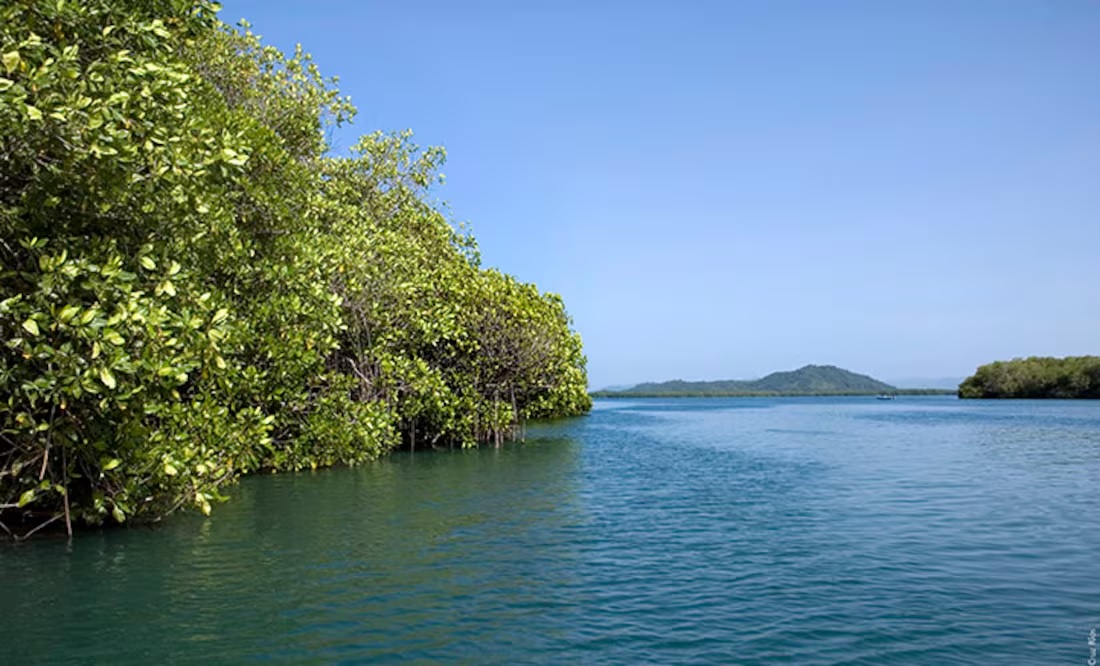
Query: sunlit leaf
(10, 60)
(107, 378)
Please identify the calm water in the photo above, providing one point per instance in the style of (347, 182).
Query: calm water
(722, 531)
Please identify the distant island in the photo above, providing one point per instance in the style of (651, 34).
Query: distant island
(810, 380)
(1036, 377)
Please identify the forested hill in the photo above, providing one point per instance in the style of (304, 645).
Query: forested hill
(1036, 377)
(808, 380)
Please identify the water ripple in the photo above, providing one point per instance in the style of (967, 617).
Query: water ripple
(834, 531)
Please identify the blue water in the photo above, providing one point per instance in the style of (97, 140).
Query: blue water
(709, 531)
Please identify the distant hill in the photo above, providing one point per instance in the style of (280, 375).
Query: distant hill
(808, 380)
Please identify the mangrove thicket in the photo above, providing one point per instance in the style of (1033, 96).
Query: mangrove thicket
(1035, 377)
(193, 288)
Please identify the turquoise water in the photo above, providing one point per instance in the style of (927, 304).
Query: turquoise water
(711, 531)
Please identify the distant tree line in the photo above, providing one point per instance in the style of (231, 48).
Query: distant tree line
(809, 380)
(1035, 377)
(631, 393)
(192, 288)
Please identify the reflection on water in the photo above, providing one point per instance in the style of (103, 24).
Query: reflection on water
(750, 531)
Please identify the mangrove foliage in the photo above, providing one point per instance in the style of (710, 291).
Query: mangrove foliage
(1035, 377)
(193, 288)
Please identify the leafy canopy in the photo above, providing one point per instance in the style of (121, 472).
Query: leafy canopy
(192, 288)
(1035, 377)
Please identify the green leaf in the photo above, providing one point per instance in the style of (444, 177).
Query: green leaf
(11, 61)
(107, 378)
(31, 326)
(26, 498)
(67, 313)
(118, 514)
(5, 305)
(170, 469)
(148, 263)
(33, 113)
(111, 464)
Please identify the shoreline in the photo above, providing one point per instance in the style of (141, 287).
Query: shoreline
(764, 394)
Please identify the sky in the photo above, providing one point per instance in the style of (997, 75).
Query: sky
(724, 189)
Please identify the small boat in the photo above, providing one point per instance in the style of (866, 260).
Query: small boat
(885, 396)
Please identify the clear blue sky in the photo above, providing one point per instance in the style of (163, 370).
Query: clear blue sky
(723, 189)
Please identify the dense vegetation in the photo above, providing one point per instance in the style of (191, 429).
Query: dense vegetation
(1035, 377)
(808, 380)
(192, 288)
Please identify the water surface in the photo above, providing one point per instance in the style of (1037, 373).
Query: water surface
(710, 531)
